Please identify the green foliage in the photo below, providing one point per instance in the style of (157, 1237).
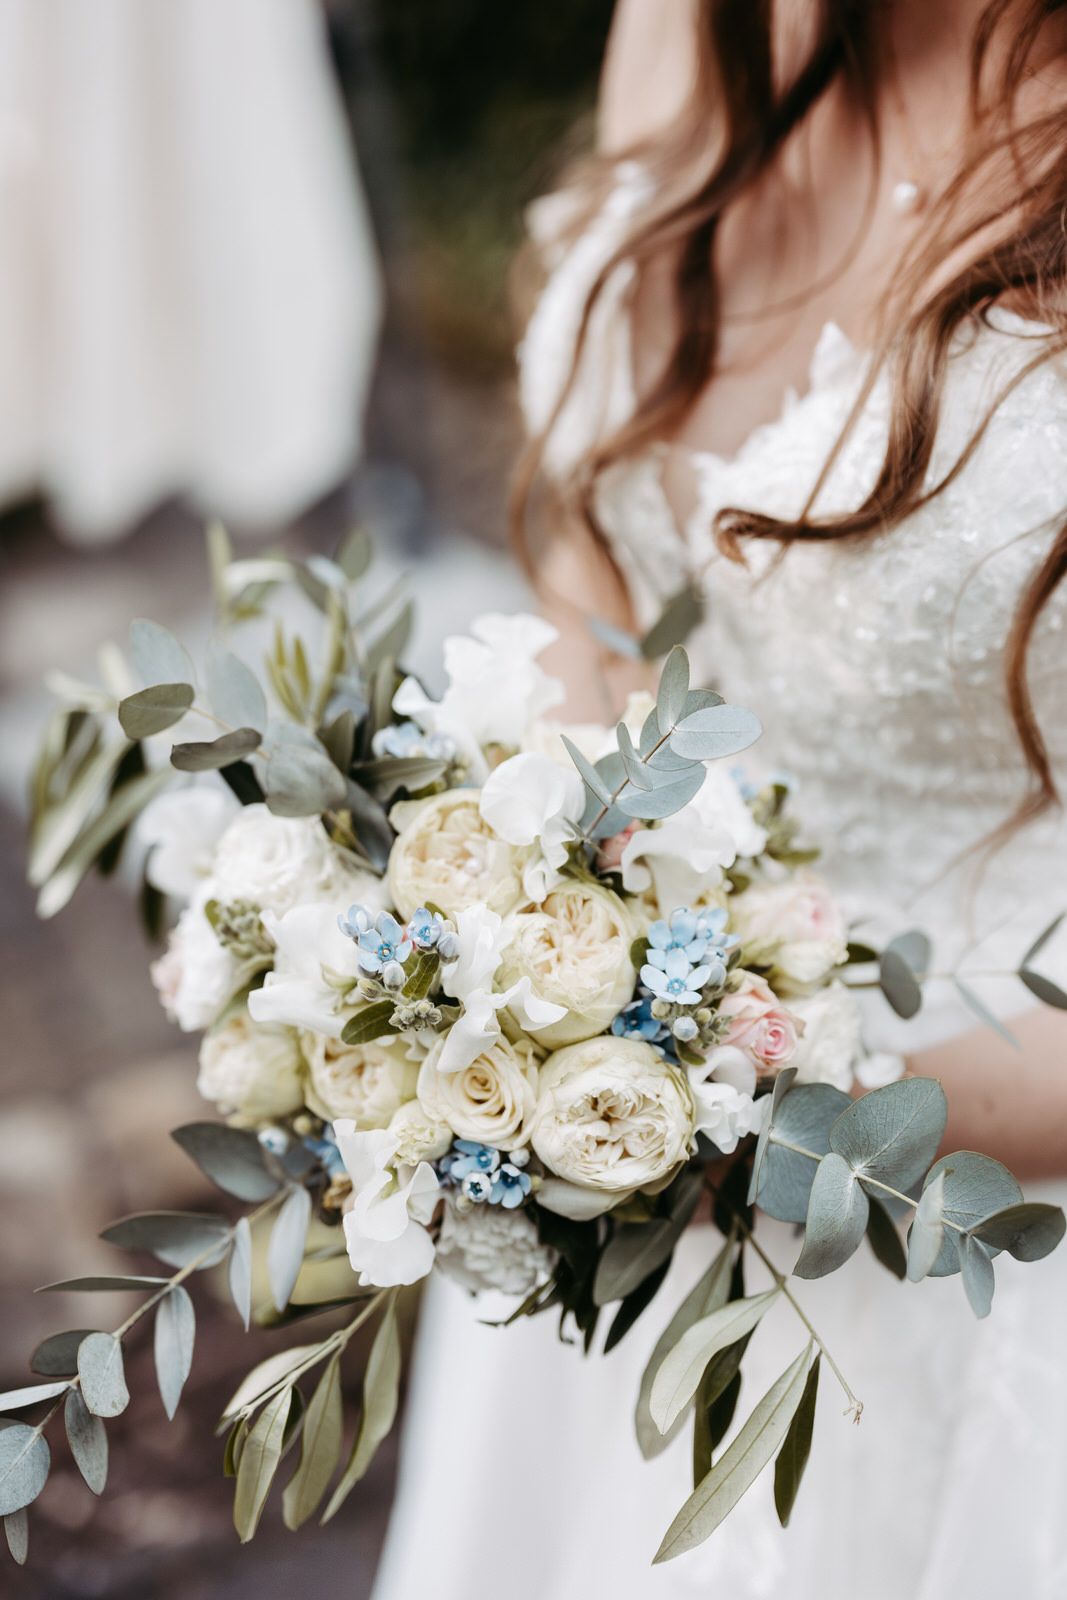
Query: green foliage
(24, 1464)
(796, 1446)
(102, 1375)
(679, 1373)
(320, 1448)
(152, 711)
(838, 1210)
(381, 1393)
(87, 1438)
(369, 1023)
(285, 1251)
(231, 1157)
(259, 1461)
(708, 1295)
(175, 1334)
(176, 1237)
(57, 1356)
(215, 753)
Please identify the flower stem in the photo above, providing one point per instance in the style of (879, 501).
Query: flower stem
(586, 835)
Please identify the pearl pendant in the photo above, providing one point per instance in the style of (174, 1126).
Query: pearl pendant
(907, 197)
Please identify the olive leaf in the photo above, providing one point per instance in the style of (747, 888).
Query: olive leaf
(370, 1022)
(265, 1376)
(796, 1446)
(175, 1334)
(240, 1271)
(679, 1373)
(740, 1465)
(706, 1296)
(259, 1462)
(320, 1448)
(381, 1391)
(212, 754)
(176, 1237)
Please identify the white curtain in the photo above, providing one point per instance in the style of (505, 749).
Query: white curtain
(189, 294)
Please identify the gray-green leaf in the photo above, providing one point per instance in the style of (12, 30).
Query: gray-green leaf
(1028, 1231)
(231, 1157)
(103, 1380)
(320, 1448)
(783, 1083)
(899, 984)
(893, 1133)
(588, 773)
(796, 1446)
(975, 1187)
(680, 1372)
(673, 688)
(381, 1389)
(804, 1117)
(176, 1237)
(737, 1469)
(977, 1269)
(927, 1230)
(974, 1003)
(175, 1334)
(240, 1272)
(666, 798)
(681, 614)
(24, 1462)
(210, 755)
(87, 1438)
(152, 710)
(285, 1252)
(259, 1462)
(300, 780)
(19, 1399)
(17, 1533)
(715, 732)
(265, 1376)
(234, 692)
(837, 1219)
(57, 1356)
(1043, 989)
(707, 1295)
(369, 1023)
(157, 656)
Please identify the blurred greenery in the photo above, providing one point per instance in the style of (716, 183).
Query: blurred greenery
(486, 97)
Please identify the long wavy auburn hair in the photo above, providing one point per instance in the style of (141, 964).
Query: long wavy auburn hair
(1022, 262)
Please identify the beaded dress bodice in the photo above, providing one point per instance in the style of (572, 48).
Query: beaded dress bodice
(875, 666)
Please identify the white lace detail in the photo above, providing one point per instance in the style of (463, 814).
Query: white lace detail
(877, 667)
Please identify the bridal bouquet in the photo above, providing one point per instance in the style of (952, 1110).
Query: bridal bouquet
(488, 995)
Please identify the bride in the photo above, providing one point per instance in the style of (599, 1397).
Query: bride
(801, 346)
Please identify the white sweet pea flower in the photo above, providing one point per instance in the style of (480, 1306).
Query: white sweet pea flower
(495, 687)
(482, 936)
(682, 859)
(180, 830)
(385, 1225)
(531, 799)
(723, 1090)
(307, 939)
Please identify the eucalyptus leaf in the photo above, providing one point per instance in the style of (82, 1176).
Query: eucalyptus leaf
(175, 1334)
(783, 1083)
(320, 1448)
(665, 799)
(927, 1230)
(804, 1117)
(17, 1534)
(299, 779)
(393, 641)
(234, 692)
(587, 772)
(212, 754)
(884, 1240)
(913, 948)
(977, 1270)
(259, 1462)
(57, 1356)
(285, 1251)
(975, 1187)
(796, 1446)
(632, 764)
(655, 751)
(157, 656)
(176, 1237)
(265, 1376)
(739, 1466)
(974, 1003)
(673, 688)
(151, 711)
(24, 1463)
(87, 1438)
(1042, 940)
(381, 1392)
(715, 732)
(682, 613)
(1029, 1231)
(893, 1133)
(899, 984)
(240, 1271)
(19, 1399)
(100, 1371)
(679, 1374)
(706, 1296)
(387, 774)
(837, 1219)
(231, 1157)
(1043, 989)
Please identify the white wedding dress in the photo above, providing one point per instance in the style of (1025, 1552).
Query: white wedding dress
(876, 669)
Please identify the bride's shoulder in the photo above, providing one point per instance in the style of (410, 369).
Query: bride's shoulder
(648, 71)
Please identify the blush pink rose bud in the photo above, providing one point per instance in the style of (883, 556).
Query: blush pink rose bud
(609, 856)
(758, 1023)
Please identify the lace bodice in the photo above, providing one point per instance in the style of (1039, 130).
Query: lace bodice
(876, 667)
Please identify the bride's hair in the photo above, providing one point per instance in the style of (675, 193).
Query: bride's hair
(1024, 266)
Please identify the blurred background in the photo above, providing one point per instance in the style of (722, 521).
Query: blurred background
(254, 260)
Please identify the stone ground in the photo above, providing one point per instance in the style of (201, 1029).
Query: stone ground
(92, 1076)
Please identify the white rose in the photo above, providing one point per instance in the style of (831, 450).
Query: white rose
(196, 975)
(575, 950)
(830, 1043)
(180, 830)
(490, 1101)
(448, 854)
(280, 862)
(418, 1137)
(794, 927)
(613, 1114)
(253, 1072)
(489, 1247)
(366, 1082)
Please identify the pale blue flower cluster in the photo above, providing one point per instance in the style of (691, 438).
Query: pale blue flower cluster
(483, 1178)
(407, 741)
(385, 943)
(686, 955)
(428, 930)
(636, 1021)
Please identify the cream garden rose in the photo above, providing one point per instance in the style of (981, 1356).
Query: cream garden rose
(612, 1114)
(252, 1072)
(490, 1101)
(575, 949)
(794, 927)
(280, 862)
(367, 1082)
(418, 1137)
(448, 855)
